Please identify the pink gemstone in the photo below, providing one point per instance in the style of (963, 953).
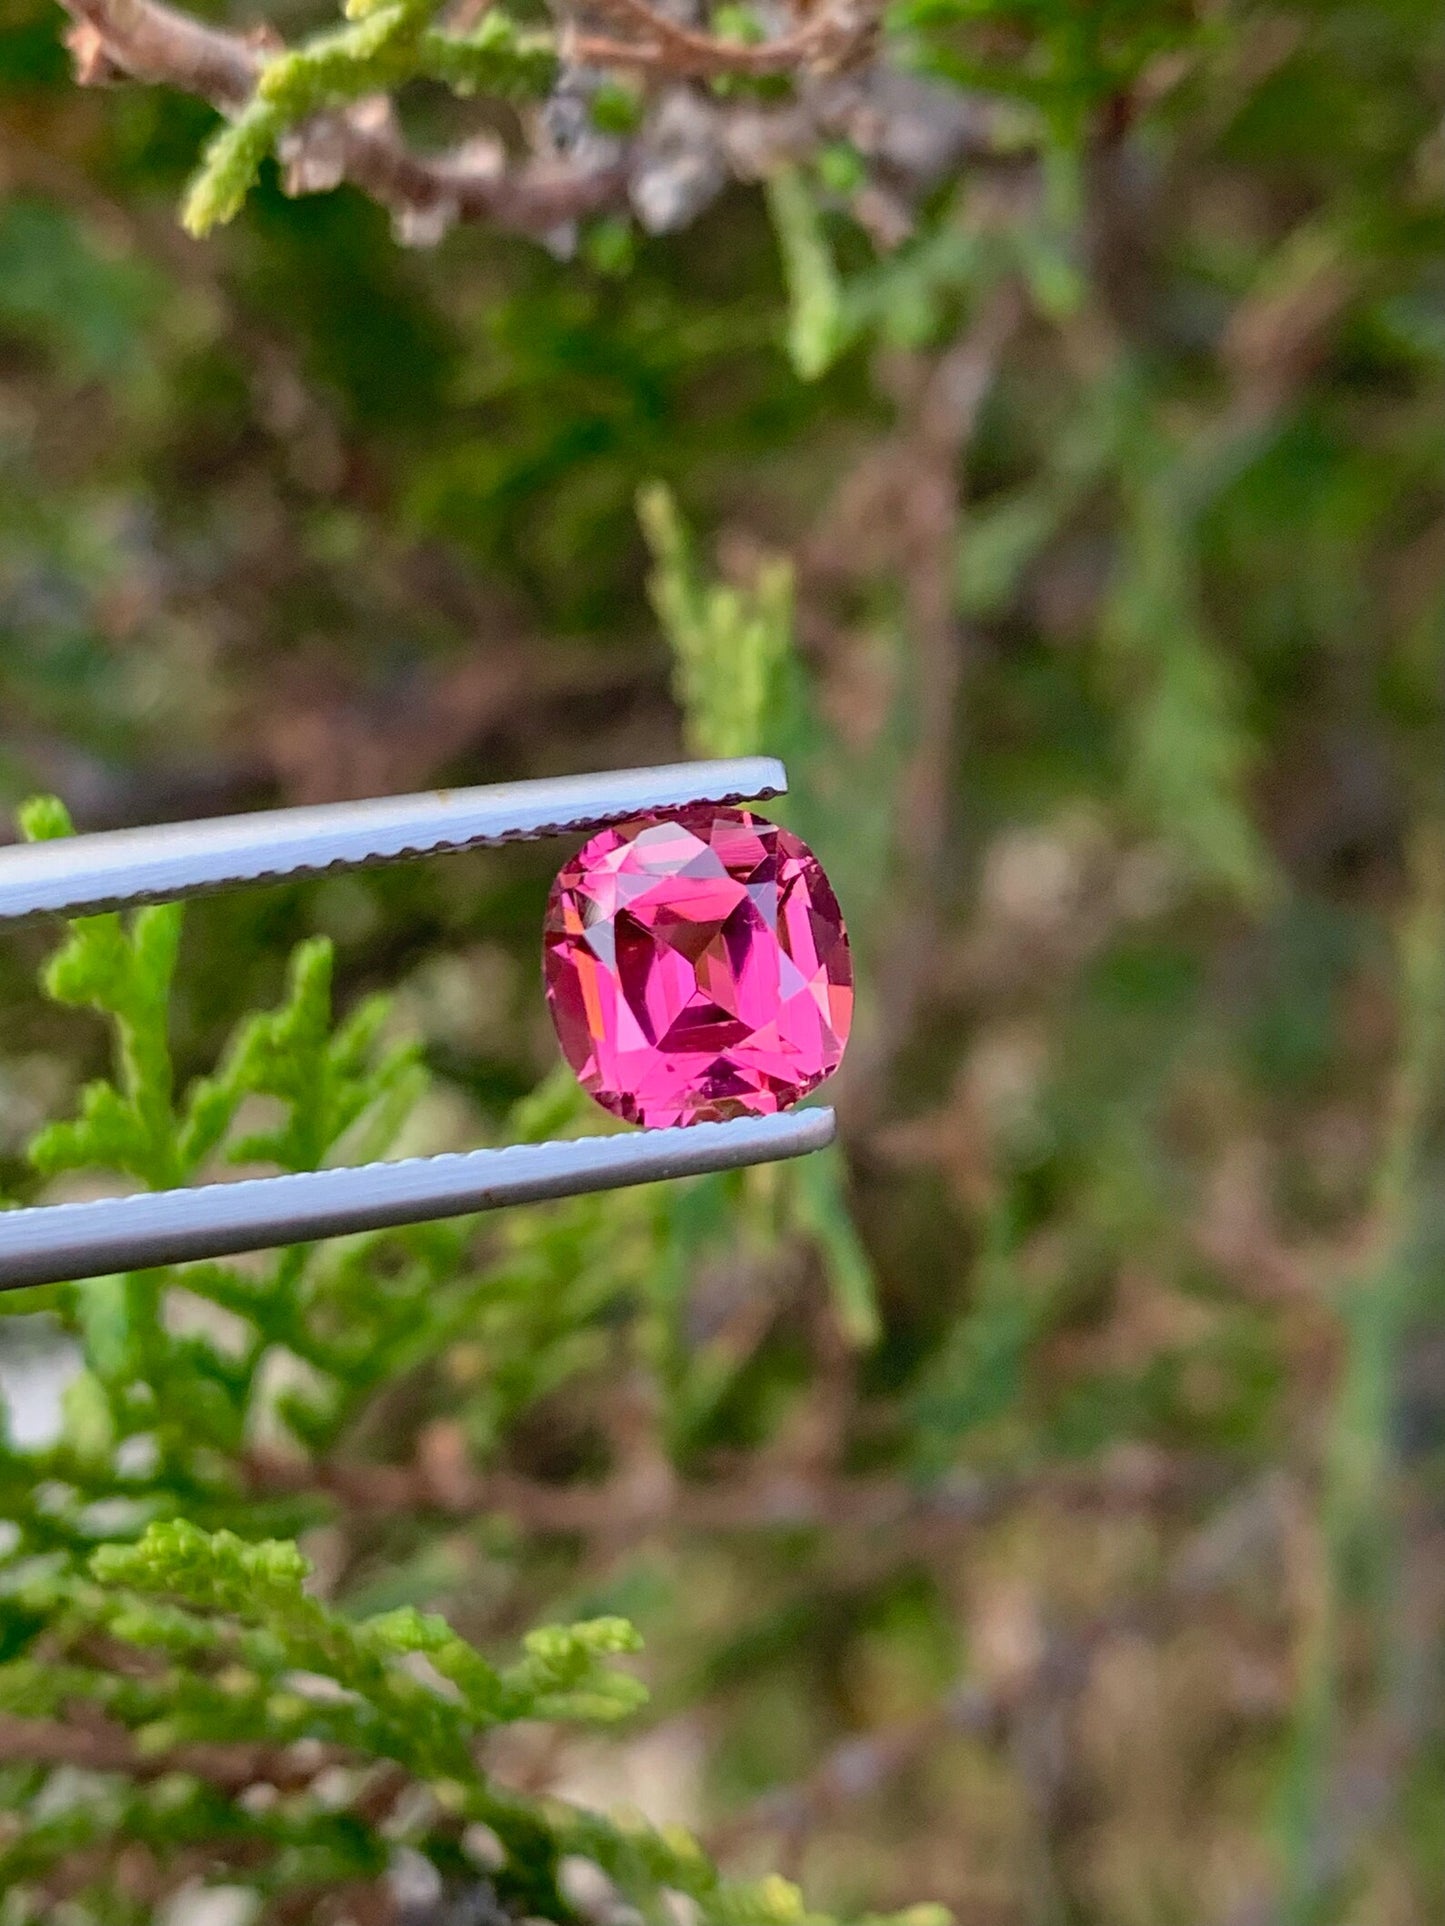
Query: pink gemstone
(697, 968)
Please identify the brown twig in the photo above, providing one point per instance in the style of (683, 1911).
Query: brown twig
(157, 43)
(775, 1500)
(97, 1745)
(828, 41)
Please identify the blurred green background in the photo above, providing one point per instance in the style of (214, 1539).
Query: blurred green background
(1116, 523)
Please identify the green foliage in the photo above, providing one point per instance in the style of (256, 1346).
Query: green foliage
(62, 291)
(386, 43)
(1188, 753)
(816, 326)
(229, 167)
(732, 647)
(235, 1651)
(1062, 62)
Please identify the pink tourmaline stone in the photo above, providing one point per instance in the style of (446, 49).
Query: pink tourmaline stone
(697, 968)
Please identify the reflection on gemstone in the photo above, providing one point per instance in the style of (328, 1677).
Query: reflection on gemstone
(697, 968)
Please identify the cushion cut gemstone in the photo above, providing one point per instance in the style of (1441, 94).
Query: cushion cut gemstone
(697, 968)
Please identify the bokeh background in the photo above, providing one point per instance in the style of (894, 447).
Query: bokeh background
(1059, 1529)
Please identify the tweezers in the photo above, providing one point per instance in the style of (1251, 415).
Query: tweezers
(83, 875)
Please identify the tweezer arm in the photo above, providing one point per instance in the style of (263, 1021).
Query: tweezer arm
(83, 874)
(65, 1241)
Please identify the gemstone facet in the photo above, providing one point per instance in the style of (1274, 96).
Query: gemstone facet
(697, 968)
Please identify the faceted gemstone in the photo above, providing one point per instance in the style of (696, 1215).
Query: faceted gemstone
(697, 968)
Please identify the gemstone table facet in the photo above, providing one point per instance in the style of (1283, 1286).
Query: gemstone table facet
(697, 968)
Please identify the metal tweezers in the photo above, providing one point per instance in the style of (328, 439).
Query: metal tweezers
(83, 875)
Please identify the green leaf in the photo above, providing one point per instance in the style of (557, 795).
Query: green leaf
(44, 819)
(822, 1210)
(1190, 754)
(229, 168)
(731, 647)
(817, 328)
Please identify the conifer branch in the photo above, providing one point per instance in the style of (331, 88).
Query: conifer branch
(360, 143)
(325, 108)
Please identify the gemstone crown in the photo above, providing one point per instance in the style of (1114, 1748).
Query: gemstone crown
(697, 968)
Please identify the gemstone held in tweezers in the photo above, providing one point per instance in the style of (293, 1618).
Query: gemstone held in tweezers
(697, 968)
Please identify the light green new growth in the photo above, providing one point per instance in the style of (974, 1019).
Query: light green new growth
(230, 163)
(237, 1653)
(817, 327)
(383, 46)
(731, 647)
(1189, 754)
